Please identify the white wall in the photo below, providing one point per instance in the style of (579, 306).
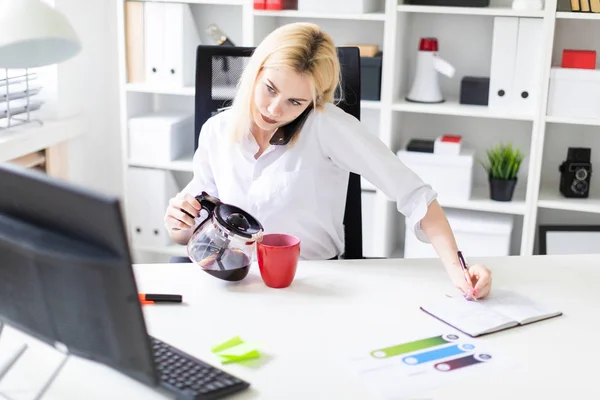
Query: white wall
(89, 83)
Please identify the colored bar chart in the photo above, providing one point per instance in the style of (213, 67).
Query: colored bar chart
(433, 355)
(416, 345)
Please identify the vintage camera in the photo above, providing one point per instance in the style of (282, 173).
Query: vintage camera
(576, 172)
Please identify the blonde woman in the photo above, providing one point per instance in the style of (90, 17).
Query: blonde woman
(295, 181)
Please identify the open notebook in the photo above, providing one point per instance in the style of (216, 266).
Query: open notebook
(502, 309)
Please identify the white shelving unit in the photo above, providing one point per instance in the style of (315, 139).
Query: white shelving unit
(465, 36)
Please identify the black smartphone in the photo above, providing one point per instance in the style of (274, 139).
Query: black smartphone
(285, 133)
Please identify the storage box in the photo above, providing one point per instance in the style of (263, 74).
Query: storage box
(448, 145)
(281, 4)
(148, 194)
(450, 176)
(478, 234)
(585, 59)
(339, 6)
(574, 93)
(475, 90)
(161, 137)
(370, 77)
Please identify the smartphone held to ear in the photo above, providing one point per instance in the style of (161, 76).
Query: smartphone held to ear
(285, 133)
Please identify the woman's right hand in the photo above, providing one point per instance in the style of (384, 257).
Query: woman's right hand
(182, 212)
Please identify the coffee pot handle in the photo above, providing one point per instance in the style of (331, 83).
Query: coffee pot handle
(208, 203)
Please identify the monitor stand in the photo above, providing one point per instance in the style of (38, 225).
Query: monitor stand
(15, 357)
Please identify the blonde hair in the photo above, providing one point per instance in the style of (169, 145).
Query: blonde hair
(302, 47)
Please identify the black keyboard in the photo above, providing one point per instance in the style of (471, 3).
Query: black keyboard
(189, 378)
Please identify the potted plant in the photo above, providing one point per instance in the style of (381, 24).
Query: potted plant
(502, 169)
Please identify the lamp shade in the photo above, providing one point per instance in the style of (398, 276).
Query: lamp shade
(33, 34)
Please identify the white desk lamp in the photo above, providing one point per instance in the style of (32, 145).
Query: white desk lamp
(32, 34)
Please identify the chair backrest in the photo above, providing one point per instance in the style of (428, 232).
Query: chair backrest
(218, 69)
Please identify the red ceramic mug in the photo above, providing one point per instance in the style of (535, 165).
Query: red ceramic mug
(278, 255)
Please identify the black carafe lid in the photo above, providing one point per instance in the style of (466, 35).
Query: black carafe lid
(237, 221)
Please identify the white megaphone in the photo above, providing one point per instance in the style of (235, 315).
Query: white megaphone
(426, 87)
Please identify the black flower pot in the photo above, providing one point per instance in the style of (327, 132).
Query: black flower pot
(502, 189)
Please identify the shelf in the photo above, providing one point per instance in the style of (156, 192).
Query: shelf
(172, 249)
(377, 16)
(573, 121)
(370, 104)
(494, 11)
(480, 201)
(147, 88)
(577, 15)
(214, 2)
(453, 107)
(220, 92)
(183, 164)
(550, 197)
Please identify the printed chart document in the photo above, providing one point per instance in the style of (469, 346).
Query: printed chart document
(410, 363)
(503, 309)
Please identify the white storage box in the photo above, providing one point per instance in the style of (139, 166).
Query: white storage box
(477, 234)
(339, 6)
(160, 137)
(148, 194)
(450, 176)
(574, 93)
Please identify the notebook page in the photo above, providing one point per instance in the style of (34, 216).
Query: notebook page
(470, 317)
(517, 306)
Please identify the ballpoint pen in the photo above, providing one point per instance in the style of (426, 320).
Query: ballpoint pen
(465, 269)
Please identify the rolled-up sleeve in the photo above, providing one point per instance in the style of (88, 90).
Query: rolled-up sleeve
(349, 144)
(203, 178)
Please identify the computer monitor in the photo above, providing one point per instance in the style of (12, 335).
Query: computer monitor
(65, 271)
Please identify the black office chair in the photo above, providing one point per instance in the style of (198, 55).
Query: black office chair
(218, 69)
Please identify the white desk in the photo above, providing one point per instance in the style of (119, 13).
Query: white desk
(305, 331)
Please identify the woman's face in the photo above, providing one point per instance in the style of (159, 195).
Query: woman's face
(280, 96)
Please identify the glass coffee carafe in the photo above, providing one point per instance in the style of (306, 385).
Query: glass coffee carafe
(223, 244)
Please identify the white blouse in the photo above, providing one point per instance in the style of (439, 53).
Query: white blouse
(300, 188)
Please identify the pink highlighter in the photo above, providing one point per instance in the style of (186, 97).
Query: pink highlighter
(463, 265)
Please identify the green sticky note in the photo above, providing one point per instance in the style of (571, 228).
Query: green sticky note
(235, 350)
(227, 359)
(235, 341)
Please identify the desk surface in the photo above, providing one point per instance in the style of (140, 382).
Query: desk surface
(305, 331)
(24, 139)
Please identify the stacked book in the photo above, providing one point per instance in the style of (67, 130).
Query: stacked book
(585, 5)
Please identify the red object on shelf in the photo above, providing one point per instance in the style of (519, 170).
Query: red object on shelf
(428, 44)
(585, 59)
(260, 4)
(451, 138)
(281, 4)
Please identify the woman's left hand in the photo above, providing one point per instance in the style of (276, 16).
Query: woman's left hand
(481, 278)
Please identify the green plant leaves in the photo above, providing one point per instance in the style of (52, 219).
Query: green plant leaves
(503, 162)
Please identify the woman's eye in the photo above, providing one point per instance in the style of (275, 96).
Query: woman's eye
(294, 102)
(270, 89)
